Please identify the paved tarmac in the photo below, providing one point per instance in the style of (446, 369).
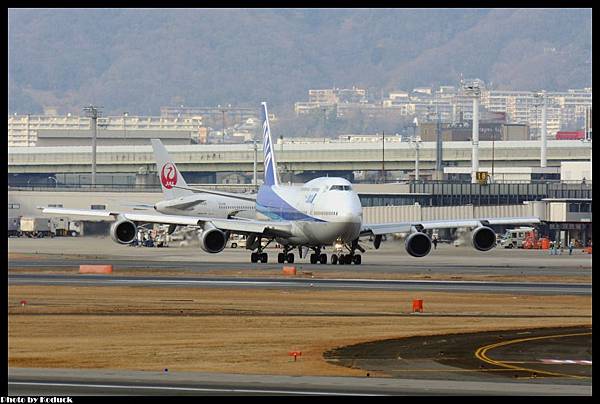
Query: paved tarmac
(391, 258)
(361, 284)
(110, 382)
(200, 269)
(545, 355)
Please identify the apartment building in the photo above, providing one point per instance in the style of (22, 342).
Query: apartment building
(27, 130)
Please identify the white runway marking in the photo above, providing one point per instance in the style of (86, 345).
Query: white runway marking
(196, 389)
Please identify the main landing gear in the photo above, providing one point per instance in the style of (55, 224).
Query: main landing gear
(318, 257)
(285, 256)
(259, 255)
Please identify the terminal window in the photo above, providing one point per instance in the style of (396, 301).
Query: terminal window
(14, 206)
(98, 207)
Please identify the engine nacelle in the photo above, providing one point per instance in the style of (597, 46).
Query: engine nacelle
(418, 244)
(483, 238)
(123, 231)
(212, 240)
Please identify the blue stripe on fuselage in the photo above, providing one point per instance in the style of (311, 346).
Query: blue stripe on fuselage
(273, 206)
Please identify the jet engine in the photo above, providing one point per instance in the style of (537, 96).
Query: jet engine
(212, 240)
(123, 231)
(483, 238)
(418, 244)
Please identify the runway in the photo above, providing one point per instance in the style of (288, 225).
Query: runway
(390, 259)
(112, 382)
(360, 284)
(458, 270)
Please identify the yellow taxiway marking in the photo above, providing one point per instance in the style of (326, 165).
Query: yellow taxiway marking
(482, 351)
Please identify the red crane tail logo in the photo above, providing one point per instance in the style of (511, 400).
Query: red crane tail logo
(168, 176)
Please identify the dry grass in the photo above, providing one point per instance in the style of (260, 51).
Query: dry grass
(247, 330)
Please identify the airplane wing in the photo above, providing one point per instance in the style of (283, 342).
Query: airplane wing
(246, 197)
(404, 227)
(138, 206)
(236, 226)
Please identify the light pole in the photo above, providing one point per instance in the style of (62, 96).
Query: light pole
(255, 163)
(223, 111)
(125, 115)
(493, 141)
(474, 91)
(416, 142)
(93, 112)
(383, 157)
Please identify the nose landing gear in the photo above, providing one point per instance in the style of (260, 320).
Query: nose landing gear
(352, 257)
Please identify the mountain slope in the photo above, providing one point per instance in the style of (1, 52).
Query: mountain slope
(138, 60)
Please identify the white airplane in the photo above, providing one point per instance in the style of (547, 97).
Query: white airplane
(319, 213)
(180, 199)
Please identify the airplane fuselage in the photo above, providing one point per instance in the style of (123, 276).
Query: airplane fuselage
(207, 206)
(323, 210)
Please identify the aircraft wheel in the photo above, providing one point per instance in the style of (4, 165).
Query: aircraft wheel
(281, 258)
(290, 258)
(342, 259)
(323, 259)
(313, 258)
(264, 257)
(334, 259)
(357, 259)
(348, 259)
(254, 257)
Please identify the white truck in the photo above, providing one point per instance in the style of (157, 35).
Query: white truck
(75, 228)
(59, 226)
(513, 238)
(36, 227)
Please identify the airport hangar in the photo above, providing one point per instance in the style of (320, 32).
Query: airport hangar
(58, 176)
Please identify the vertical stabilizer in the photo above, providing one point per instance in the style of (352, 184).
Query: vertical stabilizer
(268, 149)
(168, 174)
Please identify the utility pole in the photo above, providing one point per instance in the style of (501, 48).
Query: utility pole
(93, 112)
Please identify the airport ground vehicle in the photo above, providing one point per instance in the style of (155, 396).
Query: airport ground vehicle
(14, 226)
(36, 227)
(514, 238)
(75, 228)
(237, 242)
(59, 226)
(44, 227)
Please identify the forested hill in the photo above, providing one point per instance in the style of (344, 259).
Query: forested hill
(138, 60)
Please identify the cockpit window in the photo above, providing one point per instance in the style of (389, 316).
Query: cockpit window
(340, 188)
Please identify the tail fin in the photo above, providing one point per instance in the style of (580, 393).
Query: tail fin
(168, 174)
(269, 163)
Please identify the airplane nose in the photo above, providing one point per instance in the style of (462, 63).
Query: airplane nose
(352, 211)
